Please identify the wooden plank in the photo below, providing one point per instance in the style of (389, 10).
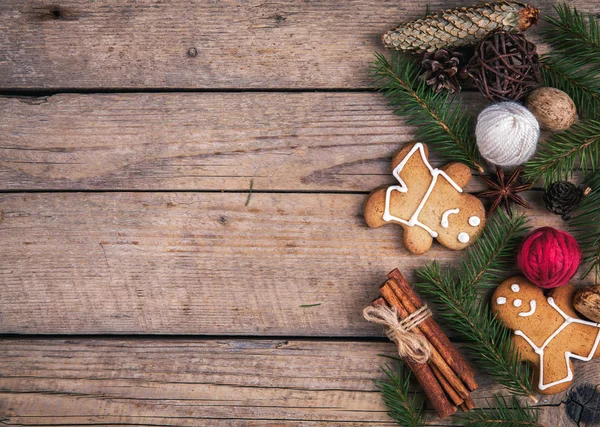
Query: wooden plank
(208, 141)
(186, 382)
(198, 263)
(181, 44)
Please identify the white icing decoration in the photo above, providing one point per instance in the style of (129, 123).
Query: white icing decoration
(474, 221)
(501, 300)
(515, 287)
(446, 214)
(517, 302)
(568, 354)
(463, 237)
(402, 188)
(532, 305)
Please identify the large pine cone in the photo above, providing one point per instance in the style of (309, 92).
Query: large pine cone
(461, 26)
(443, 70)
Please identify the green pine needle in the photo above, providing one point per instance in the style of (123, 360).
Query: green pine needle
(569, 75)
(562, 152)
(502, 413)
(403, 408)
(455, 292)
(574, 34)
(486, 262)
(585, 225)
(439, 120)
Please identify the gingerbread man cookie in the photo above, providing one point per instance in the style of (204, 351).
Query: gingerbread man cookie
(429, 203)
(547, 331)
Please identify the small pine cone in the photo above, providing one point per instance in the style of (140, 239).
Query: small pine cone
(443, 70)
(562, 197)
(460, 27)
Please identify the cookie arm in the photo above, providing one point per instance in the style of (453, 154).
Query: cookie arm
(375, 207)
(527, 353)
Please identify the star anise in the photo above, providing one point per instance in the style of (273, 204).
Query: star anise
(504, 189)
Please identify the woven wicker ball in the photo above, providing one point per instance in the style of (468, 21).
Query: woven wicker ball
(505, 66)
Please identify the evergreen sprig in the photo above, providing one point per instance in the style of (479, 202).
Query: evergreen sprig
(574, 34)
(403, 408)
(486, 261)
(570, 76)
(502, 413)
(438, 118)
(585, 225)
(563, 151)
(455, 292)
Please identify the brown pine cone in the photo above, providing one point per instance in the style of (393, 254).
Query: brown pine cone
(461, 26)
(444, 69)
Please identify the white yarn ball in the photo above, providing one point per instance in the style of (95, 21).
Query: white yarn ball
(507, 134)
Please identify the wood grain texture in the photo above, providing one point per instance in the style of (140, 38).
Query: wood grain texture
(185, 382)
(197, 263)
(202, 141)
(217, 44)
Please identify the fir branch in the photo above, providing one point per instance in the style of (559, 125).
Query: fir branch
(407, 411)
(438, 119)
(579, 83)
(502, 414)
(585, 225)
(563, 151)
(574, 34)
(459, 304)
(485, 262)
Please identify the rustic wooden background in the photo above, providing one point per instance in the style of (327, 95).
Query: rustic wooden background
(140, 282)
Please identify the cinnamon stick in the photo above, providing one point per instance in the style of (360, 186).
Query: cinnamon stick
(436, 358)
(432, 330)
(469, 403)
(446, 386)
(428, 382)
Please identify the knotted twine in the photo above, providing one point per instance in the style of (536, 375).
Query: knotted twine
(410, 344)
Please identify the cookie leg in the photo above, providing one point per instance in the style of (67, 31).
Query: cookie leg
(556, 368)
(375, 207)
(417, 240)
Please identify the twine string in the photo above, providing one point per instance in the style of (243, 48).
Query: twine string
(410, 344)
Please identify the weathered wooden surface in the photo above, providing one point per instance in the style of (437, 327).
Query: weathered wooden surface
(185, 382)
(197, 263)
(202, 141)
(183, 44)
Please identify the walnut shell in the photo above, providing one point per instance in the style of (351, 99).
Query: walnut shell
(587, 302)
(553, 109)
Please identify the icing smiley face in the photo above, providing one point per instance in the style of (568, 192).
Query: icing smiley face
(509, 298)
(463, 236)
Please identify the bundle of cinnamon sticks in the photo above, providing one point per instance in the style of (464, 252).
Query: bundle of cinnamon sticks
(447, 379)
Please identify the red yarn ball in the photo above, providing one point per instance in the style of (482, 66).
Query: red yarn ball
(549, 257)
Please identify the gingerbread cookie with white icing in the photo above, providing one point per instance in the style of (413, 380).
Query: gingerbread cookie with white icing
(547, 331)
(429, 203)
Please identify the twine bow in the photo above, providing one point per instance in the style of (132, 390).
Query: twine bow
(410, 344)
